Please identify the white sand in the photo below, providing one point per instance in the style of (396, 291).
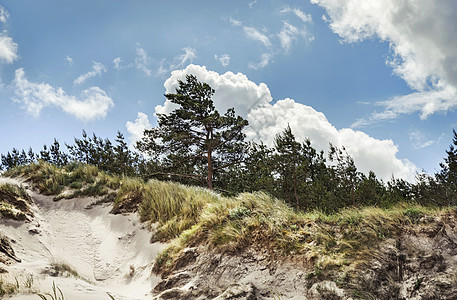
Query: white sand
(104, 249)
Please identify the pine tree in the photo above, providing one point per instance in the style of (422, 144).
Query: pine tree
(290, 165)
(447, 177)
(124, 161)
(345, 174)
(195, 141)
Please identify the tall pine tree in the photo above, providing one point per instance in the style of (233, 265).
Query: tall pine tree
(195, 140)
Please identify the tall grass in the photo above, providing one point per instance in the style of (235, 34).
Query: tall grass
(190, 216)
(81, 179)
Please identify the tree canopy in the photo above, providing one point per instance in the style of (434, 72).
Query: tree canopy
(195, 140)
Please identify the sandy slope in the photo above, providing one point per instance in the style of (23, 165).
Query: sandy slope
(111, 253)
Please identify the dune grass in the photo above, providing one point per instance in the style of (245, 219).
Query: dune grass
(14, 202)
(11, 284)
(71, 181)
(190, 216)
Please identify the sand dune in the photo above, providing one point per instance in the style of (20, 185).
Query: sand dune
(110, 253)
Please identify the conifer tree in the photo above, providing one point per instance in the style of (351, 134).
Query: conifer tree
(290, 165)
(195, 140)
(447, 177)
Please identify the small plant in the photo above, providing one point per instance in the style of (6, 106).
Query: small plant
(28, 282)
(76, 185)
(276, 295)
(414, 214)
(132, 271)
(239, 213)
(418, 283)
(54, 295)
(8, 288)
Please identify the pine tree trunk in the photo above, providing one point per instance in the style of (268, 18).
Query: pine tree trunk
(209, 178)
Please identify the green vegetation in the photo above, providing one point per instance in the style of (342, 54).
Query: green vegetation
(197, 142)
(14, 202)
(334, 245)
(339, 241)
(14, 284)
(63, 269)
(197, 145)
(78, 179)
(289, 198)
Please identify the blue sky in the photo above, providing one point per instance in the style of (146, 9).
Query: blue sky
(378, 77)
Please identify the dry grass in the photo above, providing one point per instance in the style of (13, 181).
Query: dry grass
(73, 180)
(189, 216)
(14, 202)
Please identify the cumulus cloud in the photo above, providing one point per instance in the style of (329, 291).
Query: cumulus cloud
(97, 69)
(8, 48)
(93, 103)
(254, 102)
(224, 59)
(422, 39)
(136, 128)
(232, 90)
(264, 61)
(368, 153)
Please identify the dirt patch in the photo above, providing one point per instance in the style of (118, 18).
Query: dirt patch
(249, 274)
(420, 264)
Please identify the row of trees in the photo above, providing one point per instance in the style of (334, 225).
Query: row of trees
(195, 144)
(114, 158)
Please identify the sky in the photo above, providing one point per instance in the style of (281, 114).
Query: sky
(378, 77)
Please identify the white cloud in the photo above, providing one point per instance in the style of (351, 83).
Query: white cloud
(8, 48)
(97, 69)
(264, 61)
(117, 63)
(69, 60)
(419, 140)
(235, 22)
(253, 102)
(232, 90)
(425, 102)
(256, 35)
(288, 35)
(178, 61)
(251, 4)
(4, 15)
(142, 61)
(306, 18)
(136, 128)
(368, 153)
(187, 57)
(224, 59)
(93, 103)
(421, 35)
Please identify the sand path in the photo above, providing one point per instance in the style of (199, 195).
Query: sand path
(111, 253)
